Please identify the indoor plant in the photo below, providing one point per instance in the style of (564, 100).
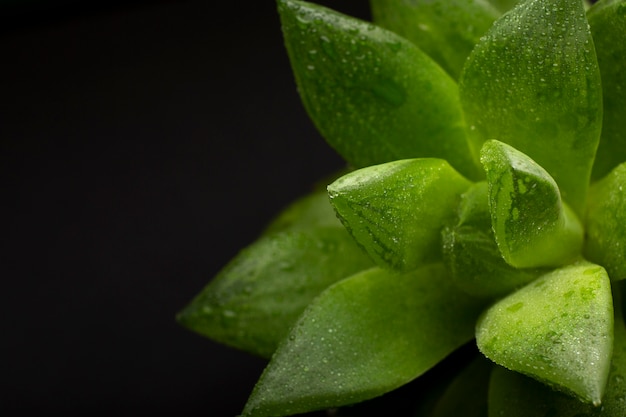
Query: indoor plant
(485, 198)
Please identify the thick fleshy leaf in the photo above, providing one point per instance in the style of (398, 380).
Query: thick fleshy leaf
(373, 95)
(558, 329)
(446, 30)
(467, 394)
(471, 254)
(311, 211)
(514, 395)
(606, 223)
(607, 19)
(256, 298)
(504, 5)
(396, 210)
(362, 337)
(533, 227)
(533, 82)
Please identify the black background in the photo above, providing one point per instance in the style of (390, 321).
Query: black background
(142, 145)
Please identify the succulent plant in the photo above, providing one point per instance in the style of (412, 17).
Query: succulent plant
(483, 204)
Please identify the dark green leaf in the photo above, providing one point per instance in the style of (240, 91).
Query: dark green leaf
(608, 27)
(471, 253)
(257, 297)
(311, 211)
(362, 337)
(504, 5)
(533, 82)
(533, 227)
(373, 95)
(606, 223)
(514, 395)
(396, 210)
(446, 30)
(558, 329)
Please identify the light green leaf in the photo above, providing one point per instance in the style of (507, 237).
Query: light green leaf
(256, 298)
(533, 227)
(372, 94)
(514, 395)
(607, 19)
(558, 329)
(446, 30)
(396, 210)
(606, 223)
(362, 337)
(467, 394)
(533, 82)
(471, 254)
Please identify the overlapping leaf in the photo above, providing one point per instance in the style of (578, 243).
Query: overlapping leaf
(396, 210)
(558, 329)
(373, 95)
(533, 82)
(446, 30)
(362, 337)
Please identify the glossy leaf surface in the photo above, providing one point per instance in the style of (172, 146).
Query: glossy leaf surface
(446, 30)
(606, 223)
(471, 254)
(514, 395)
(365, 336)
(257, 297)
(558, 329)
(372, 94)
(396, 210)
(608, 26)
(533, 82)
(311, 211)
(532, 226)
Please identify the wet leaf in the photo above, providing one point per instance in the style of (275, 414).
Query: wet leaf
(396, 210)
(256, 298)
(372, 94)
(362, 337)
(606, 223)
(311, 211)
(446, 30)
(557, 329)
(607, 19)
(532, 226)
(514, 395)
(533, 82)
(471, 254)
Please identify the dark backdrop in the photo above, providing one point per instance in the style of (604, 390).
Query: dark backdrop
(142, 145)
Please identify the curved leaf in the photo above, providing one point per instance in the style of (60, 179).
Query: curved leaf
(372, 94)
(362, 337)
(446, 30)
(558, 329)
(396, 210)
(514, 395)
(606, 223)
(504, 5)
(607, 19)
(311, 211)
(256, 298)
(471, 254)
(533, 227)
(533, 82)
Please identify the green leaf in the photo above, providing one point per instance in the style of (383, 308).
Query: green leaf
(606, 223)
(372, 94)
(608, 27)
(311, 211)
(446, 30)
(514, 395)
(256, 298)
(471, 254)
(533, 82)
(362, 337)
(533, 227)
(396, 210)
(467, 394)
(504, 5)
(558, 329)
